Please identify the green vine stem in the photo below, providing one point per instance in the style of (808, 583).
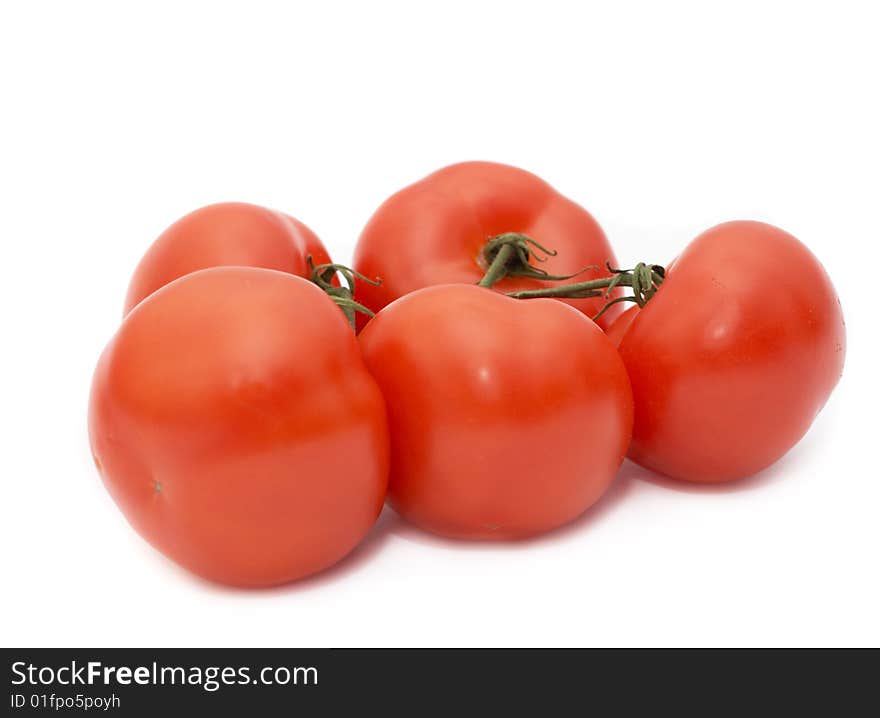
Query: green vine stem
(644, 280)
(508, 254)
(343, 295)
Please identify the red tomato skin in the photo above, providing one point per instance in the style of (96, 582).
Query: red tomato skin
(225, 234)
(621, 325)
(735, 355)
(434, 231)
(233, 421)
(507, 418)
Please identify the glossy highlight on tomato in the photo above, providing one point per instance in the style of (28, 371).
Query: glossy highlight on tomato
(227, 234)
(734, 357)
(507, 418)
(434, 232)
(235, 424)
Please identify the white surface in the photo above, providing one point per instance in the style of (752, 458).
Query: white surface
(662, 119)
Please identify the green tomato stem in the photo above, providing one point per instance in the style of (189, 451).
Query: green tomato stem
(343, 295)
(509, 255)
(644, 279)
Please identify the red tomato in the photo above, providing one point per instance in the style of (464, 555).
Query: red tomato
(507, 418)
(236, 426)
(434, 232)
(621, 325)
(226, 234)
(733, 358)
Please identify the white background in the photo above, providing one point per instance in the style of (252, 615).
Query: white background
(661, 118)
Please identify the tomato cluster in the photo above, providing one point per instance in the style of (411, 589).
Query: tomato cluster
(249, 434)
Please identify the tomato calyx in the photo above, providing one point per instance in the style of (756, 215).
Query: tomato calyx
(508, 254)
(644, 280)
(343, 295)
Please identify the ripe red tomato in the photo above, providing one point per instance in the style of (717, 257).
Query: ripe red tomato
(221, 235)
(235, 424)
(733, 358)
(507, 418)
(621, 325)
(434, 232)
